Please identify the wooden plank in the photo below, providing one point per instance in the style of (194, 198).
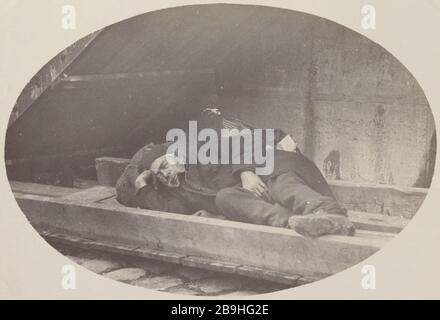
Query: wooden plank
(377, 222)
(273, 249)
(40, 189)
(134, 75)
(383, 199)
(94, 194)
(375, 236)
(84, 183)
(63, 156)
(361, 220)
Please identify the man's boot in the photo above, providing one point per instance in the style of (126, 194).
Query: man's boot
(321, 223)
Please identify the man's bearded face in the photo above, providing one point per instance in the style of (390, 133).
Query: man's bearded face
(167, 169)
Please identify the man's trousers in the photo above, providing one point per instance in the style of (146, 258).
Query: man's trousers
(290, 194)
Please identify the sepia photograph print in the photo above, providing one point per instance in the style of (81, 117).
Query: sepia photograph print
(221, 150)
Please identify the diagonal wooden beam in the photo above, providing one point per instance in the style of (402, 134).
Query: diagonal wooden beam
(49, 75)
(135, 75)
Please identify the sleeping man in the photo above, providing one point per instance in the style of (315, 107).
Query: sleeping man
(294, 195)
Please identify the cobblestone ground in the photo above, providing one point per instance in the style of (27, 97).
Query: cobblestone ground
(167, 277)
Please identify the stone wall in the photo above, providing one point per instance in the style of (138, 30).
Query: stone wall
(352, 107)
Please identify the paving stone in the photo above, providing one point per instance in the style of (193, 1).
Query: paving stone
(157, 275)
(241, 293)
(126, 274)
(265, 287)
(183, 290)
(91, 255)
(159, 282)
(100, 265)
(194, 273)
(216, 286)
(156, 267)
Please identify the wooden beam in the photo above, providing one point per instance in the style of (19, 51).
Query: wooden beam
(188, 239)
(40, 189)
(377, 222)
(63, 156)
(361, 220)
(134, 75)
(390, 200)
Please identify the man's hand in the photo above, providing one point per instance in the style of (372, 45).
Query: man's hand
(157, 164)
(142, 180)
(250, 181)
